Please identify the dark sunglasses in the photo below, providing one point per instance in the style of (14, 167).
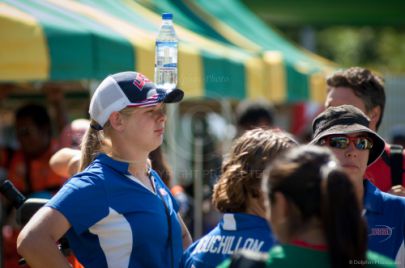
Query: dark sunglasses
(342, 142)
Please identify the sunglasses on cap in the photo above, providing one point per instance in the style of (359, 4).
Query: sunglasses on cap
(343, 141)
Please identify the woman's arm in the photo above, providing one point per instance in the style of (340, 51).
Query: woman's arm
(185, 234)
(37, 241)
(65, 162)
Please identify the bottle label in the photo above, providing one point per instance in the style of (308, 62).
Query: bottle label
(166, 43)
(170, 65)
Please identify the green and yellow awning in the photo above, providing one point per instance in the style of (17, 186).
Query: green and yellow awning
(290, 73)
(66, 40)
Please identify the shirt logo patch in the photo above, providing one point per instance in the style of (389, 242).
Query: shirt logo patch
(162, 192)
(382, 231)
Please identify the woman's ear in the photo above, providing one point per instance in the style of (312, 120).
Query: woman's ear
(116, 121)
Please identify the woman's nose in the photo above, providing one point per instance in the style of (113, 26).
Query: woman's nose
(162, 115)
(351, 150)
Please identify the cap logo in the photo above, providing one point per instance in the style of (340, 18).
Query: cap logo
(140, 81)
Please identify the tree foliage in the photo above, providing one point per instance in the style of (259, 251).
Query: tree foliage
(379, 48)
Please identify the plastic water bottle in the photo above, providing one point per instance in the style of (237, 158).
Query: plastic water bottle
(166, 54)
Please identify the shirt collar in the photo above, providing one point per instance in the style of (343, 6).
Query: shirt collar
(121, 167)
(238, 221)
(373, 199)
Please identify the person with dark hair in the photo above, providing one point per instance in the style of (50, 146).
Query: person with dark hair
(344, 129)
(315, 214)
(160, 165)
(27, 165)
(252, 114)
(363, 89)
(238, 195)
(116, 212)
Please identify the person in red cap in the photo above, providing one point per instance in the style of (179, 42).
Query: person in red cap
(116, 212)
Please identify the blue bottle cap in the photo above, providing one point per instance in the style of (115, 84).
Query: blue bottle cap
(167, 16)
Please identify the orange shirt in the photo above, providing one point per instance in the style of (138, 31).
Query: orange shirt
(41, 178)
(36, 172)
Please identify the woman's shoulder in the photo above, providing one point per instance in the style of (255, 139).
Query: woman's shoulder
(97, 170)
(296, 256)
(88, 178)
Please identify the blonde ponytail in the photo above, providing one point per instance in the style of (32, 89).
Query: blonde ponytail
(91, 145)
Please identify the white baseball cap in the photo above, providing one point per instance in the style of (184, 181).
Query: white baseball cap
(127, 89)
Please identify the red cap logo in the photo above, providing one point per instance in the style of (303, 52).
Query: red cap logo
(140, 81)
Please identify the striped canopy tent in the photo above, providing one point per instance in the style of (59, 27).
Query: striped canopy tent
(54, 40)
(289, 74)
(72, 40)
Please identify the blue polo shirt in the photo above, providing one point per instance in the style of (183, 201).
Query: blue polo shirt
(385, 215)
(233, 232)
(116, 221)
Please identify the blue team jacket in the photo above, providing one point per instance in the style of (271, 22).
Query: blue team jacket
(233, 232)
(385, 215)
(116, 221)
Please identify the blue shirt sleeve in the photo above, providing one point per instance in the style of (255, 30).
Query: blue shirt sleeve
(83, 201)
(186, 259)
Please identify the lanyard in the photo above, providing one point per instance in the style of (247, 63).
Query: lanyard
(169, 221)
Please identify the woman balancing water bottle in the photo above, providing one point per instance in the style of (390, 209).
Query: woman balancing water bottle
(166, 54)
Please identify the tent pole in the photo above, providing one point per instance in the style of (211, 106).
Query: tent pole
(226, 112)
(198, 178)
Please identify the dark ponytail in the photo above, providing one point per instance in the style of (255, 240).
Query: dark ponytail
(345, 229)
(317, 188)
